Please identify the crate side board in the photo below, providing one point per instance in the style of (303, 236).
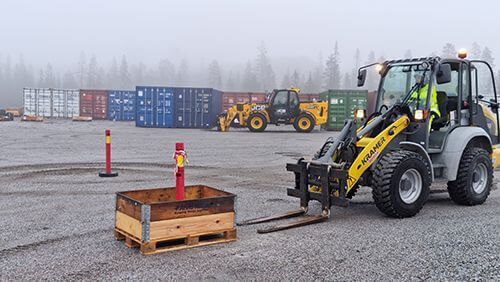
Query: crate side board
(190, 208)
(129, 225)
(181, 227)
(128, 206)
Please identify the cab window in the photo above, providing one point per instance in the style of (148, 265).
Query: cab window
(281, 98)
(294, 100)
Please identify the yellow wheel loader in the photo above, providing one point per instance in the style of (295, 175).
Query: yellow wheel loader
(282, 107)
(401, 148)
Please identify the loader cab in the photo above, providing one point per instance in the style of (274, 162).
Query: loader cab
(284, 105)
(451, 97)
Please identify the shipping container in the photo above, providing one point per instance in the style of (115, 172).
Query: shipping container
(48, 102)
(196, 107)
(308, 97)
(231, 98)
(121, 105)
(94, 103)
(154, 106)
(371, 102)
(341, 106)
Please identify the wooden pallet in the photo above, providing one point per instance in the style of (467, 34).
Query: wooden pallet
(178, 243)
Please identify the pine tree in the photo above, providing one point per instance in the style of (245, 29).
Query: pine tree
(265, 74)
(113, 76)
(372, 75)
(82, 70)
(183, 75)
(41, 79)
(286, 82)
(125, 82)
(309, 86)
(448, 51)
(347, 83)
(92, 72)
(332, 70)
(408, 54)
(295, 80)
(475, 51)
(69, 81)
(214, 75)
(485, 84)
(166, 72)
(50, 79)
(230, 85)
(249, 82)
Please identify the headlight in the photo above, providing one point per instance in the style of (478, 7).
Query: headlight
(360, 114)
(419, 115)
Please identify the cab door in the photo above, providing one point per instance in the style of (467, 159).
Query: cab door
(280, 107)
(484, 98)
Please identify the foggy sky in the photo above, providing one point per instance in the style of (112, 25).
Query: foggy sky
(230, 31)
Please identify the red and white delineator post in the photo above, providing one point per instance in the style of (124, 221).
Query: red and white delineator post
(108, 172)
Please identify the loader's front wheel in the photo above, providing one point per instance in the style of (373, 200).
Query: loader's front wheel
(401, 181)
(257, 123)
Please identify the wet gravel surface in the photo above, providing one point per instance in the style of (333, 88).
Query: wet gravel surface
(56, 215)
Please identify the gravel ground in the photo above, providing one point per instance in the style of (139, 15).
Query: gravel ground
(57, 216)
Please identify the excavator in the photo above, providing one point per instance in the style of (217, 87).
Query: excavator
(282, 107)
(399, 150)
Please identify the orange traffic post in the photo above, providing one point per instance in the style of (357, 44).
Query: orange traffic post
(108, 172)
(179, 157)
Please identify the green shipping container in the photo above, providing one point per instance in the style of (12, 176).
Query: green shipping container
(341, 106)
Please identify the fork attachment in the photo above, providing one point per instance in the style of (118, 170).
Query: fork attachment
(325, 178)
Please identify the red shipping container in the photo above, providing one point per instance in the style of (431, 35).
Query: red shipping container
(230, 99)
(94, 103)
(371, 100)
(308, 97)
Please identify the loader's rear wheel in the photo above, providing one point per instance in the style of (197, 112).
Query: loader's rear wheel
(474, 178)
(304, 123)
(401, 181)
(257, 123)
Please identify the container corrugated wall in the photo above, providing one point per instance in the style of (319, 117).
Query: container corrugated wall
(308, 97)
(196, 107)
(48, 102)
(94, 103)
(231, 98)
(121, 105)
(154, 106)
(341, 106)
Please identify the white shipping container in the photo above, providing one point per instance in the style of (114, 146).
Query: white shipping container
(48, 102)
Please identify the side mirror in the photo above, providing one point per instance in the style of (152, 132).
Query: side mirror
(443, 74)
(361, 78)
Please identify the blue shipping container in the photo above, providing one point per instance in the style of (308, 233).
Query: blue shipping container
(196, 107)
(154, 106)
(121, 105)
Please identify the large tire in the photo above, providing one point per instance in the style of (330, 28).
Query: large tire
(401, 181)
(257, 123)
(474, 178)
(304, 123)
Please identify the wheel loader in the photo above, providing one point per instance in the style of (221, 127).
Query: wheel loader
(432, 121)
(282, 107)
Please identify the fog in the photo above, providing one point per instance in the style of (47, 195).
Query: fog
(85, 44)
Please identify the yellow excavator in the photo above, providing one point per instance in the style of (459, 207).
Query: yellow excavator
(399, 150)
(282, 107)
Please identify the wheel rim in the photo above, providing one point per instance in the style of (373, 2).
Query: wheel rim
(479, 178)
(410, 186)
(304, 123)
(256, 122)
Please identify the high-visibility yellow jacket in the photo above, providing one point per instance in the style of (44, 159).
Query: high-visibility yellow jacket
(423, 98)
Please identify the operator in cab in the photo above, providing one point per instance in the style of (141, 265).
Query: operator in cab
(420, 96)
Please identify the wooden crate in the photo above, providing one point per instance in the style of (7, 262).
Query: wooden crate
(155, 222)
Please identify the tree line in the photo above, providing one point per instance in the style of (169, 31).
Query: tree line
(256, 75)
